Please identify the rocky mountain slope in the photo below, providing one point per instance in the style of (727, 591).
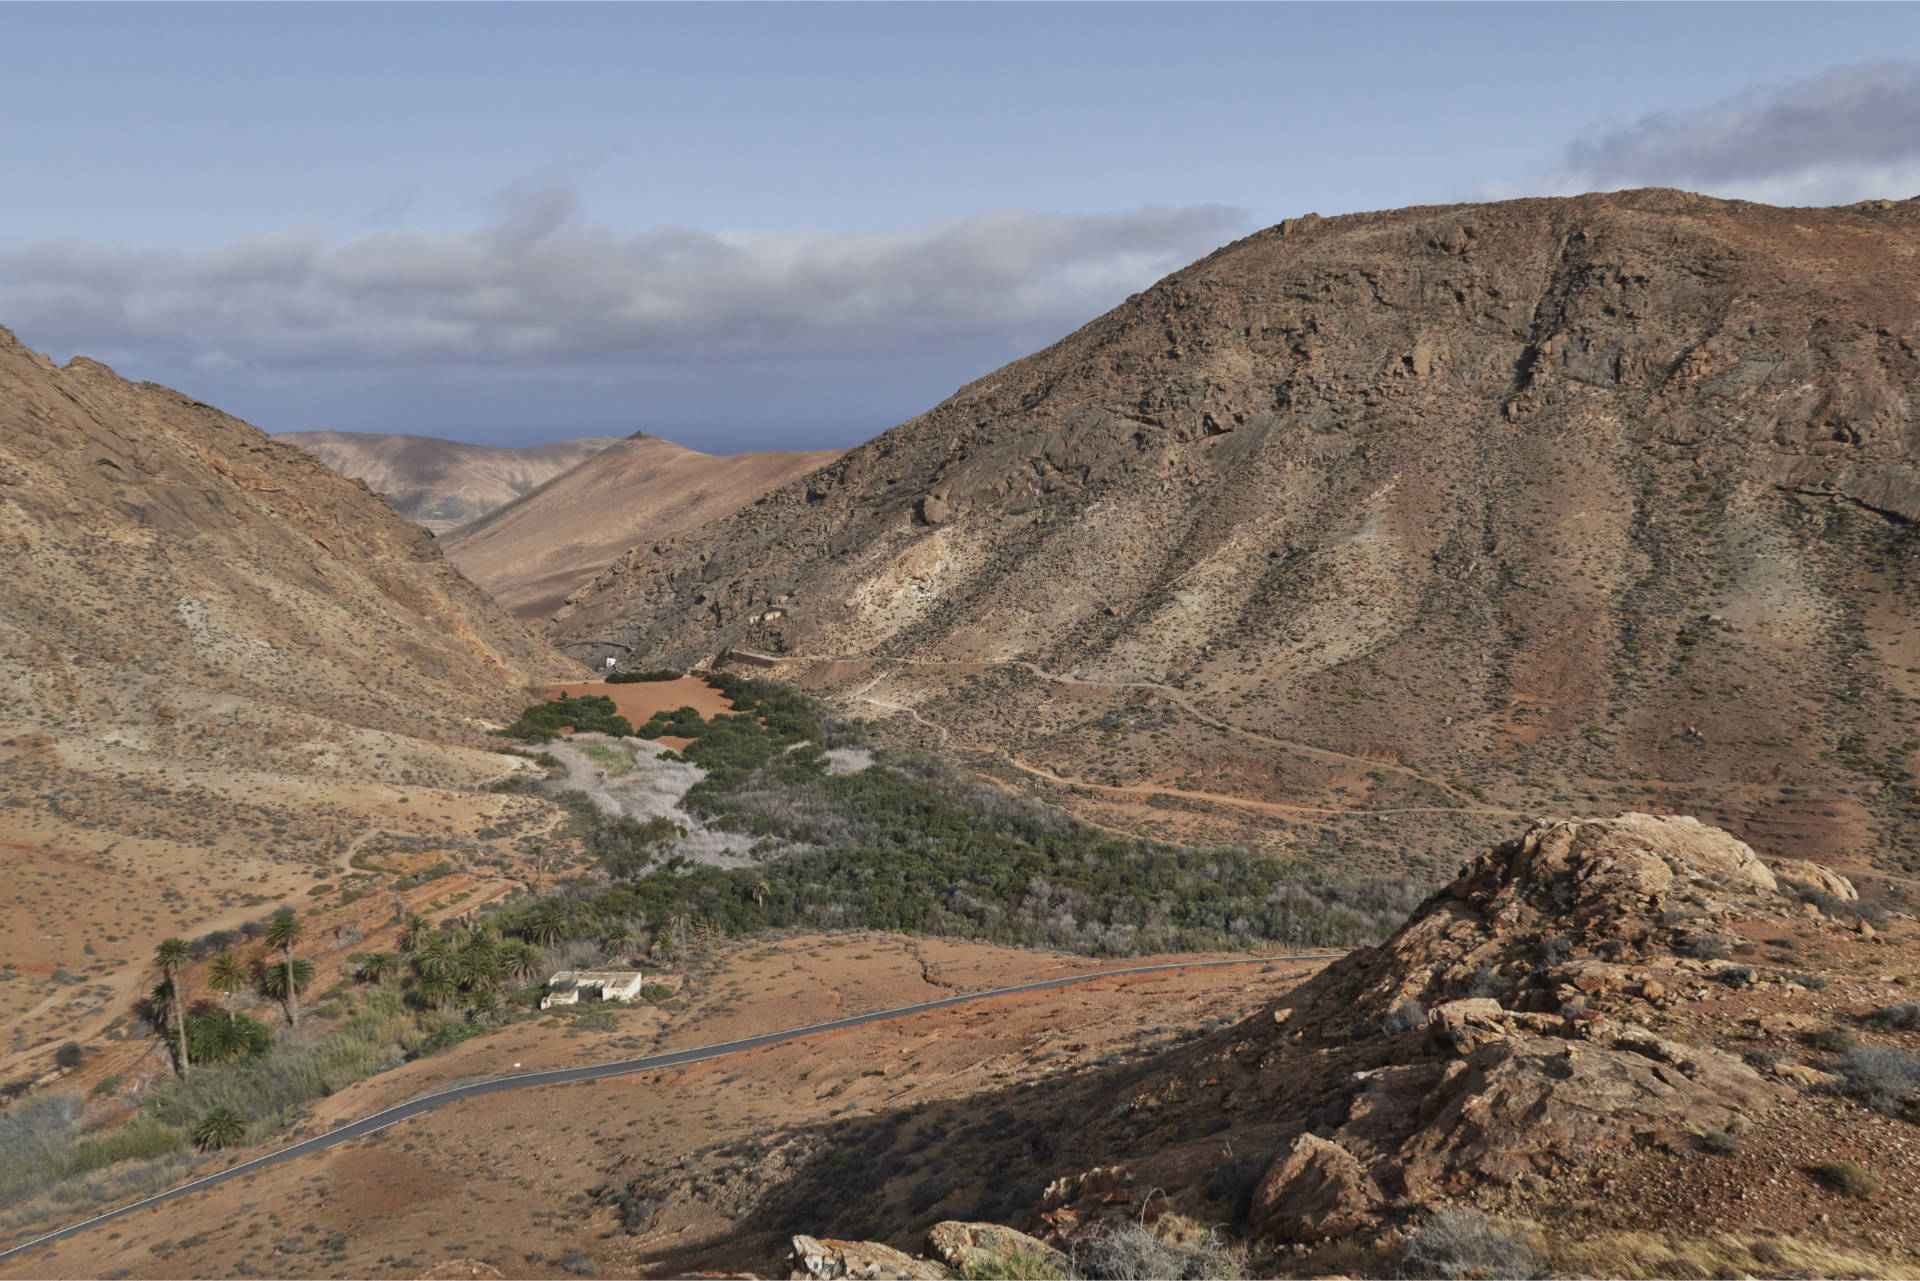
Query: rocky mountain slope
(1374, 534)
(221, 664)
(443, 484)
(536, 551)
(1620, 1047)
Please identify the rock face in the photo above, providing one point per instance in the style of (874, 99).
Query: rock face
(533, 553)
(443, 484)
(1587, 486)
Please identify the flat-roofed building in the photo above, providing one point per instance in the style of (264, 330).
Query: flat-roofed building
(567, 986)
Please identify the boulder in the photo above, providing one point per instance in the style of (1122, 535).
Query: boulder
(1313, 1190)
(815, 1259)
(1802, 875)
(973, 1249)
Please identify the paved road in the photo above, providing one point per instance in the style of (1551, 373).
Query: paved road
(596, 1071)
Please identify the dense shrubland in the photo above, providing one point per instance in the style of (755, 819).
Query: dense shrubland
(914, 845)
(590, 713)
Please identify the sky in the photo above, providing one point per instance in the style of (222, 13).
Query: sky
(745, 226)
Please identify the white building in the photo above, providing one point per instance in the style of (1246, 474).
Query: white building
(566, 987)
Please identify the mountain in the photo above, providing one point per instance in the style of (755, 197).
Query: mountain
(536, 551)
(1364, 537)
(443, 484)
(223, 668)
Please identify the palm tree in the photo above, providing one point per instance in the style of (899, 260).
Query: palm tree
(219, 1035)
(520, 960)
(760, 891)
(376, 966)
(413, 931)
(435, 958)
(171, 958)
(225, 976)
(677, 926)
(220, 1128)
(546, 925)
(478, 965)
(619, 939)
(283, 931)
(284, 981)
(435, 989)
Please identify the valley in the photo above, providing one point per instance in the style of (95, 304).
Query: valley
(1471, 648)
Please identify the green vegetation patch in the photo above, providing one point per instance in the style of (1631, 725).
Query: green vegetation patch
(588, 714)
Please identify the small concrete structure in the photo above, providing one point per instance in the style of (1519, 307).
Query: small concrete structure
(566, 987)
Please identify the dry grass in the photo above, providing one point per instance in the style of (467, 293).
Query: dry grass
(1727, 1254)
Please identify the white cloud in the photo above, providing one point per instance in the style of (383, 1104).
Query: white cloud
(543, 283)
(1848, 133)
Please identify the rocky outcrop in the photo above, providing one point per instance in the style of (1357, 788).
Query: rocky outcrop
(1802, 875)
(814, 1259)
(1524, 1064)
(957, 1249)
(1313, 1190)
(984, 1249)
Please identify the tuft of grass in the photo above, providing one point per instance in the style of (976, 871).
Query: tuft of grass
(1846, 1178)
(1458, 1243)
(1661, 1254)
(1720, 1142)
(1013, 1265)
(1902, 1017)
(1133, 1252)
(1884, 1080)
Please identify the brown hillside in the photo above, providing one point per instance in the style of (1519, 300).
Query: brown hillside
(1379, 532)
(221, 666)
(535, 552)
(443, 484)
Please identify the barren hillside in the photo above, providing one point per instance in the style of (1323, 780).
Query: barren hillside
(533, 553)
(1372, 534)
(220, 665)
(443, 484)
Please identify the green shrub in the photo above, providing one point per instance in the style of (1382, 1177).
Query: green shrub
(635, 678)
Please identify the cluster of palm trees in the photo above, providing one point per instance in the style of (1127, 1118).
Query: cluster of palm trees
(470, 967)
(215, 1036)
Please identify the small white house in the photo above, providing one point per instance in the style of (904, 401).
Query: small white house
(566, 987)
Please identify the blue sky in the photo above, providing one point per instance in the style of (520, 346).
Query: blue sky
(745, 226)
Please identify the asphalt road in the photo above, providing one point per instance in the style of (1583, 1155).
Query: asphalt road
(597, 1071)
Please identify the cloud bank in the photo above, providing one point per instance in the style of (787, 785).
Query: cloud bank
(1848, 133)
(541, 283)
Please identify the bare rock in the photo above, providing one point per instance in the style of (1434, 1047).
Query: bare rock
(1802, 875)
(816, 1259)
(1314, 1190)
(970, 1248)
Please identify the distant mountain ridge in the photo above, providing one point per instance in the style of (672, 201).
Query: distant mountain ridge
(1372, 534)
(443, 484)
(534, 552)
